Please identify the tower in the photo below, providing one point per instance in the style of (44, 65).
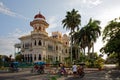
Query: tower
(39, 25)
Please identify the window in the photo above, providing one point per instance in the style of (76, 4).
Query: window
(40, 28)
(30, 57)
(35, 43)
(66, 43)
(56, 48)
(39, 43)
(35, 57)
(50, 47)
(66, 50)
(39, 57)
(27, 45)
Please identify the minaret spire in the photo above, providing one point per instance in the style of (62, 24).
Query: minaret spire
(39, 12)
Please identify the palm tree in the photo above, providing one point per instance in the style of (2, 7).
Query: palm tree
(80, 38)
(94, 32)
(88, 35)
(71, 22)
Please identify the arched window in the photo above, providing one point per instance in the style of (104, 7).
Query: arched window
(66, 43)
(25, 57)
(39, 43)
(30, 57)
(35, 57)
(66, 50)
(35, 43)
(56, 48)
(39, 58)
(40, 28)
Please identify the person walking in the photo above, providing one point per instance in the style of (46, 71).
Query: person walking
(62, 70)
(74, 69)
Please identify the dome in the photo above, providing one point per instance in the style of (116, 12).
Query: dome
(39, 16)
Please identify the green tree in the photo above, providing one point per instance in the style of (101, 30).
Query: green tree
(79, 39)
(88, 35)
(111, 36)
(92, 33)
(7, 59)
(19, 57)
(71, 22)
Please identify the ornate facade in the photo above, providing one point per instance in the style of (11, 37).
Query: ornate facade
(38, 46)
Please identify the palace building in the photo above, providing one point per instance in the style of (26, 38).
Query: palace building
(38, 46)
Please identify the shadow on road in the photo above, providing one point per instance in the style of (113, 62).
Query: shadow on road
(74, 78)
(114, 74)
(17, 76)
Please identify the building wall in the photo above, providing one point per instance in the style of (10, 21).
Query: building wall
(47, 49)
(38, 46)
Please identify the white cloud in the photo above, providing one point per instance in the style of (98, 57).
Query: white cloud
(7, 11)
(52, 22)
(108, 14)
(94, 2)
(7, 42)
(6, 46)
(85, 3)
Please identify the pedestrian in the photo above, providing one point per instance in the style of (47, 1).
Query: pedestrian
(74, 69)
(62, 69)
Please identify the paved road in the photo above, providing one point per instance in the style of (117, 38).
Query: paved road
(94, 75)
(100, 75)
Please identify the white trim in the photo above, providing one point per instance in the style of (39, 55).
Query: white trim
(39, 19)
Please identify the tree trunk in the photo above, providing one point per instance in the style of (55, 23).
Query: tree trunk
(76, 53)
(84, 55)
(88, 50)
(93, 48)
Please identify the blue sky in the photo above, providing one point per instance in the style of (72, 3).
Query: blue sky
(15, 17)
